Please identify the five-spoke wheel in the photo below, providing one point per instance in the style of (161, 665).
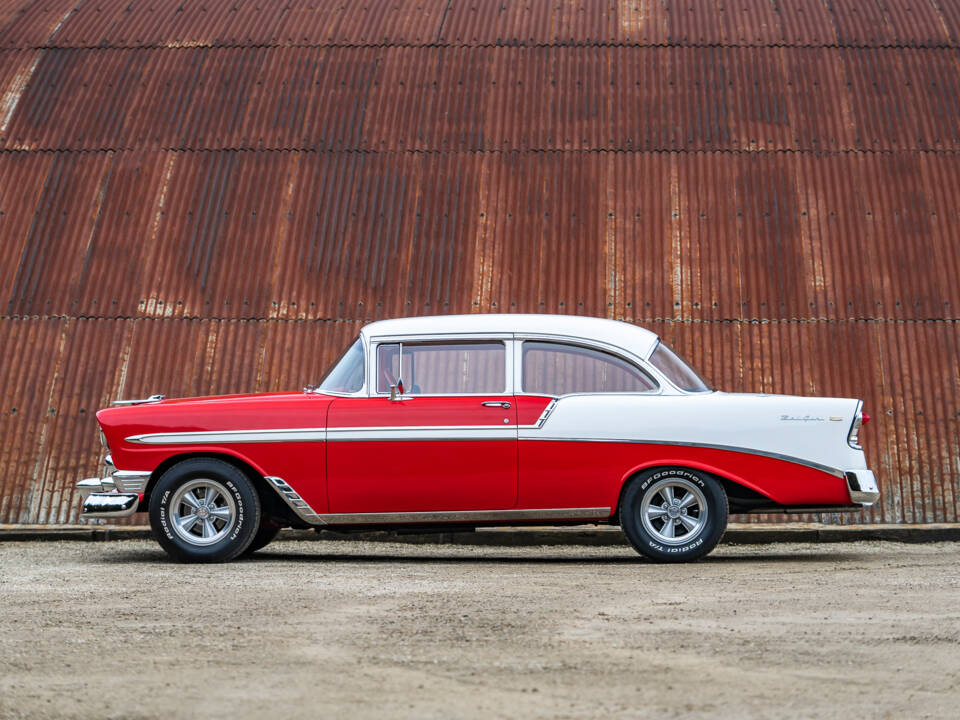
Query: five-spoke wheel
(674, 511)
(202, 511)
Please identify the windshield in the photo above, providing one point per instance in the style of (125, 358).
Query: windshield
(347, 375)
(676, 370)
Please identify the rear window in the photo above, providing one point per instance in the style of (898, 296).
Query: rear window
(558, 369)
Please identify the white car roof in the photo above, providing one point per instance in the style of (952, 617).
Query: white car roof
(634, 339)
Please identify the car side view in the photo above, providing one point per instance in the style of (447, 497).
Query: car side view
(458, 422)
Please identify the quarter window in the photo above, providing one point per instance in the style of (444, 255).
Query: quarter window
(347, 375)
(557, 369)
(443, 368)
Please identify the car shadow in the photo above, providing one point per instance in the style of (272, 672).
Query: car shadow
(273, 556)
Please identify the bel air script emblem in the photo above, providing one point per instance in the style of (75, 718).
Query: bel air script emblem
(805, 418)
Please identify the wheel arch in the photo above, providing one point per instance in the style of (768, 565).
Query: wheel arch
(270, 502)
(734, 486)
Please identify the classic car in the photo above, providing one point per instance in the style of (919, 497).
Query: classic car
(458, 422)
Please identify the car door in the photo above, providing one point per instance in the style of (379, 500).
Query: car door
(437, 434)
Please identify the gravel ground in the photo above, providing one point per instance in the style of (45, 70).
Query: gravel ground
(362, 629)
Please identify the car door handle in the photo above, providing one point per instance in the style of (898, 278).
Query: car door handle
(496, 403)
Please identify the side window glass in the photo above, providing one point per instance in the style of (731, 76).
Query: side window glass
(443, 368)
(557, 369)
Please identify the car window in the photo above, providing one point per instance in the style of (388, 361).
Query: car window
(557, 369)
(677, 371)
(443, 368)
(347, 373)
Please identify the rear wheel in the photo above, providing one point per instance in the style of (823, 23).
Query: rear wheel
(673, 514)
(204, 510)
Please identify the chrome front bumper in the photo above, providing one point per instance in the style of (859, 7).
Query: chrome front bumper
(862, 486)
(116, 496)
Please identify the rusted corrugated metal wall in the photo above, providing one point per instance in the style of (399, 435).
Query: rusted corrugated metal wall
(212, 197)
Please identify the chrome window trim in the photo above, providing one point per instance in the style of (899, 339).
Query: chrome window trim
(618, 352)
(679, 390)
(362, 392)
(479, 338)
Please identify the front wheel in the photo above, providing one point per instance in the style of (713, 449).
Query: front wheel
(673, 514)
(204, 510)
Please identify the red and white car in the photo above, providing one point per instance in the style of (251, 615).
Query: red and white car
(462, 421)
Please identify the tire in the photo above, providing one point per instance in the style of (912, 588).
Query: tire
(690, 525)
(263, 537)
(225, 522)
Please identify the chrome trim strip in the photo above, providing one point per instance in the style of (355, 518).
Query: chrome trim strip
(294, 501)
(411, 432)
(231, 436)
(478, 432)
(551, 406)
(710, 446)
(597, 513)
(134, 481)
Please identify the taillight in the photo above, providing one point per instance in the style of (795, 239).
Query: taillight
(860, 418)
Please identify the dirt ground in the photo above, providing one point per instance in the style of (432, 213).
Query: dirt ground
(361, 629)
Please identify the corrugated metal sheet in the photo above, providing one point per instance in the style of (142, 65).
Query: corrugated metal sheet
(486, 98)
(696, 236)
(207, 198)
(126, 23)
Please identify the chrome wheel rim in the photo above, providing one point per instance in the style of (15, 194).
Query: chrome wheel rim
(203, 512)
(674, 511)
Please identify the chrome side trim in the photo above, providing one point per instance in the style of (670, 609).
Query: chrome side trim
(731, 448)
(151, 399)
(467, 516)
(447, 432)
(551, 406)
(478, 432)
(294, 501)
(231, 436)
(131, 481)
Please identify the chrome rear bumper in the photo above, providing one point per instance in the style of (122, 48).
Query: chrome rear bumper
(116, 496)
(862, 486)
